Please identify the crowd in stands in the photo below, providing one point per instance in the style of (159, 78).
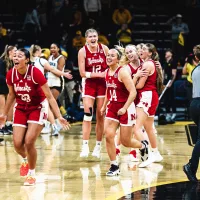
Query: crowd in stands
(65, 22)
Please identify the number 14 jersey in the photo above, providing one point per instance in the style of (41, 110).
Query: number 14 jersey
(116, 90)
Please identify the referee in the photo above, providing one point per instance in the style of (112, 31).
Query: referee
(191, 167)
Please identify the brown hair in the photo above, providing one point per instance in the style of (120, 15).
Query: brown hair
(155, 57)
(5, 57)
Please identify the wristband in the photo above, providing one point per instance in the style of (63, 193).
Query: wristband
(88, 74)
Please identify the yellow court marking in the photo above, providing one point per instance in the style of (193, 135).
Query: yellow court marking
(120, 194)
(182, 123)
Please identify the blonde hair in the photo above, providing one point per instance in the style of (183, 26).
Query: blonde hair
(91, 30)
(124, 60)
(33, 50)
(139, 46)
(5, 56)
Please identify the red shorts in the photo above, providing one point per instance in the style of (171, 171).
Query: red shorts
(93, 87)
(127, 119)
(33, 114)
(148, 100)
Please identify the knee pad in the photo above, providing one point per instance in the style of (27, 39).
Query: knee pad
(88, 116)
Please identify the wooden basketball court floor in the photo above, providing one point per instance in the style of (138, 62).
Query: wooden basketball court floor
(62, 175)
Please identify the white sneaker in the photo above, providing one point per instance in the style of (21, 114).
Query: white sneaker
(59, 126)
(97, 150)
(147, 162)
(55, 131)
(47, 128)
(157, 156)
(85, 151)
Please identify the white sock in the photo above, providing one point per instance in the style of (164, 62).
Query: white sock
(24, 160)
(98, 143)
(114, 162)
(8, 123)
(85, 142)
(154, 149)
(31, 172)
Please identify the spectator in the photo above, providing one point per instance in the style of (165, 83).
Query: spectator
(56, 5)
(169, 73)
(3, 31)
(31, 25)
(92, 9)
(69, 83)
(76, 18)
(3, 34)
(124, 35)
(102, 38)
(179, 32)
(77, 43)
(121, 16)
(190, 64)
(65, 15)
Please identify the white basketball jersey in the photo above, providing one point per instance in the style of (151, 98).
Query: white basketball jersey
(39, 63)
(54, 80)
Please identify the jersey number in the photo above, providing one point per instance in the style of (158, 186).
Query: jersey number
(25, 97)
(96, 69)
(113, 95)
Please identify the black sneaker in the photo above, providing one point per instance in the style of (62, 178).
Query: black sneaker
(2, 131)
(190, 174)
(8, 130)
(113, 171)
(145, 151)
(1, 139)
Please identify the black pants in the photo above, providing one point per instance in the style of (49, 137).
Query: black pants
(169, 100)
(195, 114)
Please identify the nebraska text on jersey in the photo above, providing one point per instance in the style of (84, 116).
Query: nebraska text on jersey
(92, 61)
(24, 88)
(112, 85)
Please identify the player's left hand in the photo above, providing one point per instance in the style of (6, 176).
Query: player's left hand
(65, 124)
(68, 75)
(121, 111)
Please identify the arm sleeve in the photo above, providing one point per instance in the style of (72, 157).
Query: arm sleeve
(38, 77)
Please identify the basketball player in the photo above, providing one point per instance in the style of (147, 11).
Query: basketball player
(43, 65)
(147, 100)
(120, 109)
(6, 63)
(92, 66)
(28, 85)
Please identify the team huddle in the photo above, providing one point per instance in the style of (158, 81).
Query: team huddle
(124, 82)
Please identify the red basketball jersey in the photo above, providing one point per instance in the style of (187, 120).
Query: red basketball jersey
(27, 87)
(151, 82)
(133, 70)
(95, 62)
(116, 90)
